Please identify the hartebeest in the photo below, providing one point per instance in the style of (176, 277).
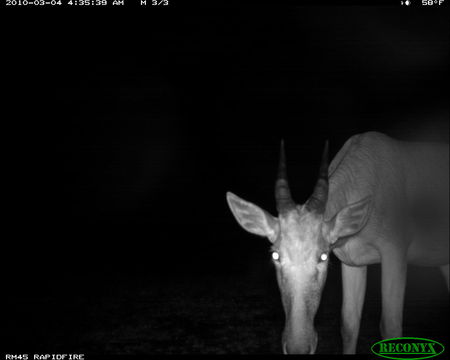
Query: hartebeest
(380, 201)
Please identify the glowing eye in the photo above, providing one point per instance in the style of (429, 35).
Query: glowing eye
(275, 256)
(323, 256)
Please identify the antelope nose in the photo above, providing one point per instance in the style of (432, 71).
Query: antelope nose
(289, 349)
(301, 347)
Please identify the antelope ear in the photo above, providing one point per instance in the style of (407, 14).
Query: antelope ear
(252, 218)
(349, 220)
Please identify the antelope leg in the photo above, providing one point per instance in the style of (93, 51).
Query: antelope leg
(353, 292)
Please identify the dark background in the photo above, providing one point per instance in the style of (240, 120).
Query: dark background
(124, 130)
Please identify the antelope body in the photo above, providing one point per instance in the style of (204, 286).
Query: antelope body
(380, 201)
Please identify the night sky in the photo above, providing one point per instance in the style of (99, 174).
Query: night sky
(124, 131)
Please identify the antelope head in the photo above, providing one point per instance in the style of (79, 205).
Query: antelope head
(301, 241)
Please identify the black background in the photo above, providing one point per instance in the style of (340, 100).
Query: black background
(124, 130)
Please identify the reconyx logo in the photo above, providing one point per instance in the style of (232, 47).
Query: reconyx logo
(407, 348)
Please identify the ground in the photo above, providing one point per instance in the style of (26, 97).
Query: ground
(202, 314)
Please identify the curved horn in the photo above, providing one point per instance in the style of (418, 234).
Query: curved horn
(282, 192)
(318, 199)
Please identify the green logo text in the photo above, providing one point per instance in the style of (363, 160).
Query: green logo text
(407, 348)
